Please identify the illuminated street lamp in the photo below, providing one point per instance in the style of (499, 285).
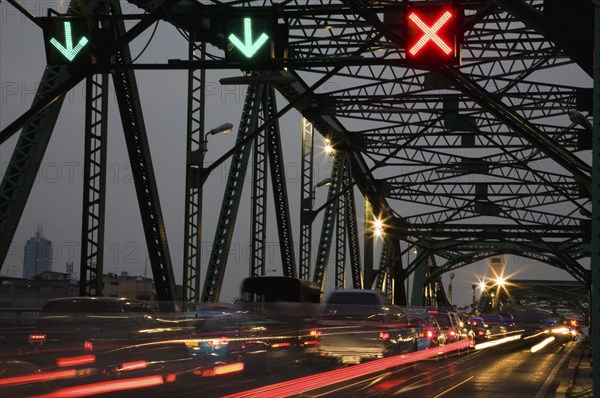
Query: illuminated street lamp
(378, 228)
(328, 147)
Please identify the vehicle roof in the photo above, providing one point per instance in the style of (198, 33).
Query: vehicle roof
(70, 304)
(87, 298)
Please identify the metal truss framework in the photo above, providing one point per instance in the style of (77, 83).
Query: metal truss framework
(564, 298)
(463, 162)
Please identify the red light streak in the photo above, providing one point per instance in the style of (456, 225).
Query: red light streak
(429, 33)
(277, 345)
(38, 377)
(75, 361)
(230, 368)
(132, 365)
(220, 369)
(308, 383)
(104, 387)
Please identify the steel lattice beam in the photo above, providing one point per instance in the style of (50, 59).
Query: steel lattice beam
(231, 199)
(94, 188)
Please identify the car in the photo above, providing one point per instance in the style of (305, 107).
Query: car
(465, 328)
(358, 325)
(450, 324)
(508, 320)
(428, 330)
(481, 330)
(73, 326)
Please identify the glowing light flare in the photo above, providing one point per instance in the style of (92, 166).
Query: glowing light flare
(542, 344)
(378, 227)
(430, 33)
(494, 343)
(328, 147)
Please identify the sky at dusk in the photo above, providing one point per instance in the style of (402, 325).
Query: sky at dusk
(56, 198)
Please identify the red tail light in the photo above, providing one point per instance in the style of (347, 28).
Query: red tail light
(38, 338)
(480, 332)
(384, 335)
(88, 346)
(218, 342)
(315, 333)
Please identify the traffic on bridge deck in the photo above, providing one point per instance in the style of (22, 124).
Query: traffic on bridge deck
(407, 204)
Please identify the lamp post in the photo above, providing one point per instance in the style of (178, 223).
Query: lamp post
(450, 288)
(407, 276)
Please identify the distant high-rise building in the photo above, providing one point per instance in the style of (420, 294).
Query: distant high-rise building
(38, 255)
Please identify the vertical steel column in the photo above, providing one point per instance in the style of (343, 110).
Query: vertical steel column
(353, 239)
(280, 196)
(194, 177)
(231, 198)
(259, 203)
(595, 252)
(384, 261)
(328, 222)
(306, 199)
(138, 150)
(369, 239)
(340, 231)
(94, 186)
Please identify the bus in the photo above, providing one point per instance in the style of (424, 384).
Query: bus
(279, 289)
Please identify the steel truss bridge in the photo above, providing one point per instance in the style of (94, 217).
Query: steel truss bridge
(460, 162)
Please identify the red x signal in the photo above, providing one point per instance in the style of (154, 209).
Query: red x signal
(430, 33)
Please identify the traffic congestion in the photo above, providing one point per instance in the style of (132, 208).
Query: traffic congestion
(87, 346)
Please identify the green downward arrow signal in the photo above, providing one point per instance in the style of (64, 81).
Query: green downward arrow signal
(67, 50)
(248, 48)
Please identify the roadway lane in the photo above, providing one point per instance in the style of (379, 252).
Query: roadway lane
(509, 372)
